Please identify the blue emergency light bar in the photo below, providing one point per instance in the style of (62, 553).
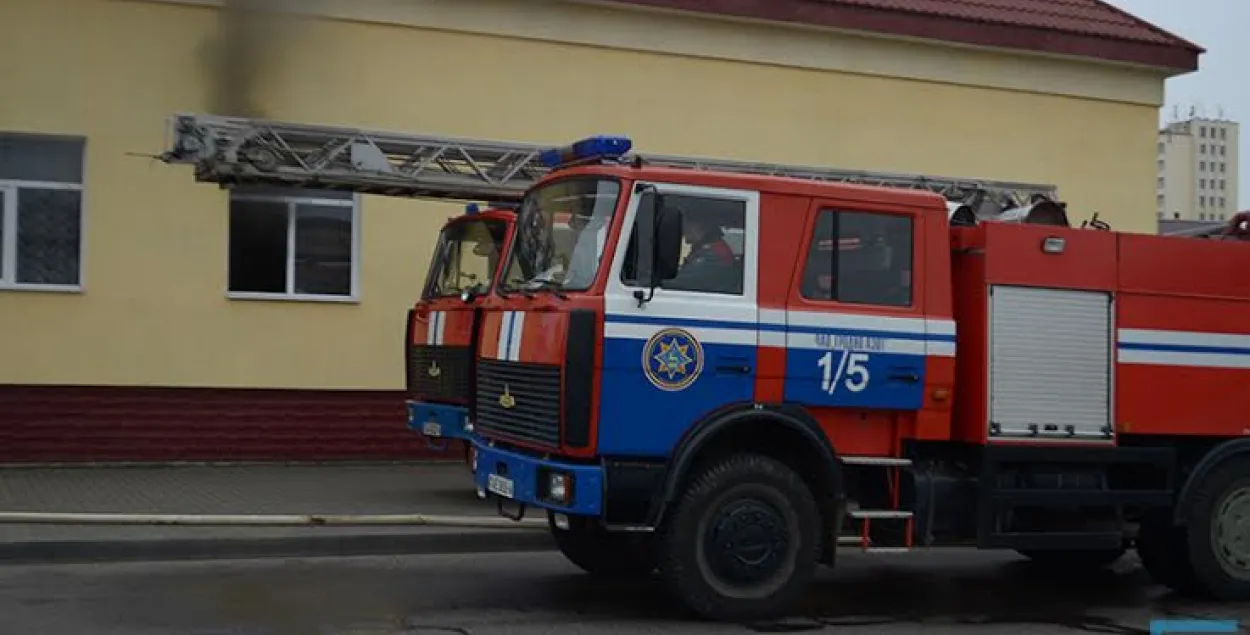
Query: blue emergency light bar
(588, 149)
(474, 208)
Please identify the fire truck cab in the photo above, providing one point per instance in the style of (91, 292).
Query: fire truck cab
(725, 376)
(439, 347)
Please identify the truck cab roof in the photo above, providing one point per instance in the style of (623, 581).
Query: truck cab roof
(797, 186)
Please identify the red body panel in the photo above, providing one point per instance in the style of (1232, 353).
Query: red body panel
(1158, 283)
(783, 219)
(457, 326)
(1011, 254)
(1193, 286)
(532, 330)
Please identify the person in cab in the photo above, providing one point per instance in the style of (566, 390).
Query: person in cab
(711, 264)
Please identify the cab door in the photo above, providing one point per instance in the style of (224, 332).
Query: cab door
(691, 348)
(856, 336)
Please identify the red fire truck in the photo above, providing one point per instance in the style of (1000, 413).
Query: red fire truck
(727, 419)
(440, 347)
(439, 351)
(735, 368)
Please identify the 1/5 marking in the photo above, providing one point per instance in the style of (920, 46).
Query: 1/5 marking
(850, 370)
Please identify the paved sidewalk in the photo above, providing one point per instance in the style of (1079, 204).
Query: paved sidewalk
(427, 488)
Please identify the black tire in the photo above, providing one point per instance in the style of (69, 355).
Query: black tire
(1080, 559)
(603, 553)
(754, 499)
(1161, 549)
(1220, 562)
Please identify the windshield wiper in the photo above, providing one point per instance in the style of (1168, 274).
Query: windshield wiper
(554, 287)
(508, 288)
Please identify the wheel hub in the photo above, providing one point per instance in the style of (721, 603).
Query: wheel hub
(746, 542)
(1231, 533)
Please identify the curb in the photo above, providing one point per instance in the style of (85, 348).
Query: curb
(90, 551)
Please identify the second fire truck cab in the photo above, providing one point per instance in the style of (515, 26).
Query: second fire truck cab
(439, 348)
(723, 376)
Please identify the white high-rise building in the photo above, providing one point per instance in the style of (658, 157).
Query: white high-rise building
(1198, 166)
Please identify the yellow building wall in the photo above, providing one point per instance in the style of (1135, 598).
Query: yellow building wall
(154, 310)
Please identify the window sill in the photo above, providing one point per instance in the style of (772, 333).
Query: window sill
(294, 297)
(42, 288)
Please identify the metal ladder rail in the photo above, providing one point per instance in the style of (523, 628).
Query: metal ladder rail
(237, 150)
(956, 189)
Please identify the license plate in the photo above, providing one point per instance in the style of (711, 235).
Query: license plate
(432, 429)
(497, 484)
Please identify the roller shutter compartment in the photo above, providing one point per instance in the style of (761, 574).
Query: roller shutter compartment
(1050, 363)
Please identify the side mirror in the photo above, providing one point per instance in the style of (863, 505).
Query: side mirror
(667, 241)
(657, 242)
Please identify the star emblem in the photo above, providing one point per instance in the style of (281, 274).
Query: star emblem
(673, 358)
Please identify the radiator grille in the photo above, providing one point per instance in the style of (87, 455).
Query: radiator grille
(534, 393)
(450, 380)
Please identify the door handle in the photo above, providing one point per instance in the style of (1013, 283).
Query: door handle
(734, 364)
(908, 377)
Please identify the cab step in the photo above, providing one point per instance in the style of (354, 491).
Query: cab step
(866, 539)
(886, 514)
(880, 461)
(858, 541)
(886, 536)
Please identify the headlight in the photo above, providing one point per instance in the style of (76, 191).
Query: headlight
(558, 486)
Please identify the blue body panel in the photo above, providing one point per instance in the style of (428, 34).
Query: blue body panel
(523, 471)
(832, 360)
(644, 409)
(856, 368)
(843, 360)
(449, 419)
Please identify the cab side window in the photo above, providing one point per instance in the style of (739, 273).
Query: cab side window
(860, 258)
(712, 253)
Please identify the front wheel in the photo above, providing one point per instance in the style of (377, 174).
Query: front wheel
(742, 541)
(602, 553)
(1218, 534)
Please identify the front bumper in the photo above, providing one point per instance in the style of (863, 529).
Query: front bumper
(527, 480)
(438, 421)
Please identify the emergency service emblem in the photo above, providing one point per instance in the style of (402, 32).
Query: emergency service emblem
(672, 359)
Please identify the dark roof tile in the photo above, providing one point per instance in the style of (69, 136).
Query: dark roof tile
(1084, 28)
(1089, 17)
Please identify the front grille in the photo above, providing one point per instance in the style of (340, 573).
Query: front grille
(449, 381)
(534, 391)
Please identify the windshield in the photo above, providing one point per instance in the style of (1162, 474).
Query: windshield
(466, 257)
(561, 233)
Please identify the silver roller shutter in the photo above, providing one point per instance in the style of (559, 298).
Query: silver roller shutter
(1050, 363)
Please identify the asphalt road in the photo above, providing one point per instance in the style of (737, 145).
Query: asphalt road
(529, 593)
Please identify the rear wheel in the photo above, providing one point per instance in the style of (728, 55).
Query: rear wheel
(603, 553)
(1217, 538)
(1162, 551)
(743, 539)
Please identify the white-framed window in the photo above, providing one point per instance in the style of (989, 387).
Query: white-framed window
(293, 244)
(41, 220)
